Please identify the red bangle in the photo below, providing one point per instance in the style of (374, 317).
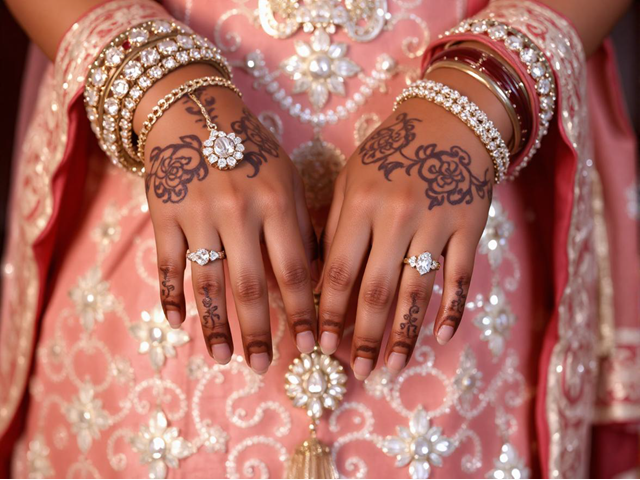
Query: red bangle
(487, 65)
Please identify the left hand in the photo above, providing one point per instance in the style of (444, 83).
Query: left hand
(421, 182)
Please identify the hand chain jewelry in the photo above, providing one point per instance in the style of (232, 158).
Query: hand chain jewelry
(221, 149)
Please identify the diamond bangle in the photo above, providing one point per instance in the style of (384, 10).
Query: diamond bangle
(532, 59)
(172, 97)
(467, 111)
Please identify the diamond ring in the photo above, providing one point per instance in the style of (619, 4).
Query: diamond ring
(203, 256)
(423, 263)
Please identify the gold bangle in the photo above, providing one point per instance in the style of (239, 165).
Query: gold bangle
(172, 97)
(490, 84)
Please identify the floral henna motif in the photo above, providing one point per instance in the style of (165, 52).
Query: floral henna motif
(253, 132)
(173, 167)
(456, 307)
(210, 316)
(447, 173)
(207, 99)
(410, 327)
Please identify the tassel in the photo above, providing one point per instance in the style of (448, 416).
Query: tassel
(312, 459)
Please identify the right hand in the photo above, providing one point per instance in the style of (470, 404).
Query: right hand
(194, 205)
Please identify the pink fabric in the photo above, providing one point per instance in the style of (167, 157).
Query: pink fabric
(113, 235)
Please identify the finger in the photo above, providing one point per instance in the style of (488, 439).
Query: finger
(290, 267)
(305, 225)
(209, 293)
(377, 291)
(249, 287)
(171, 247)
(326, 239)
(413, 299)
(458, 267)
(348, 251)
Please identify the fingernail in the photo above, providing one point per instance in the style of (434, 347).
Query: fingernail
(305, 342)
(396, 361)
(174, 318)
(362, 367)
(444, 334)
(259, 362)
(328, 342)
(221, 353)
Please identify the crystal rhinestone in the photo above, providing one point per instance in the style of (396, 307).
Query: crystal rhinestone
(195, 54)
(167, 47)
(546, 103)
(498, 32)
(455, 108)
(213, 255)
(98, 77)
(138, 36)
(537, 70)
(223, 146)
(232, 162)
(132, 70)
(185, 41)
(91, 95)
(200, 41)
(126, 113)
(543, 86)
(439, 98)
(92, 114)
(144, 82)
(108, 123)
(120, 88)
(212, 159)
(129, 103)
(546, 115)
(239, 146)
(161, 26)
(423, 263)
(207, 151)
(479, 27)
(169, 63)
(113, 56)
(527, 55)
(124, 124)
(513, 42)
(182, 56)
(136, 92)
(316, 383)
(201, 256)
(150, 57)
(109, 137)
(208, 142)
(155, 72)
(237, 156)
(222, 163)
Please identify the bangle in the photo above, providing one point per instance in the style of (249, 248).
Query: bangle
(499, 79)
(172, 97)
(467, 111)
(517, 48)
(126, 68)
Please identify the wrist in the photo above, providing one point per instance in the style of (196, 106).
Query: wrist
(479, 94)
(165, 85)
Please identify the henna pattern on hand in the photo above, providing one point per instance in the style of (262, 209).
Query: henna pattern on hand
(456, 307)
(410, 327)
(173, 167)
(167, 288)
(210, 316)
(207, 99)
(447, 173)
(253, 132)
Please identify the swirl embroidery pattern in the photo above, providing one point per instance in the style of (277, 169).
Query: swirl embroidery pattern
(174, 167)
(447, 173)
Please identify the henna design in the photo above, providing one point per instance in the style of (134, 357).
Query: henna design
(167, 288)
(173, 167)
(253, 132)
(210, 316)
(456, 307)
(411, 321)
(207, 99)
(447, 173)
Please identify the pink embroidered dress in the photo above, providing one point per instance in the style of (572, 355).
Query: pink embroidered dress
(93, 382)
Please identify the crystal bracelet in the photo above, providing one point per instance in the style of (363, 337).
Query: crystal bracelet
(172, 97)
(469, 113)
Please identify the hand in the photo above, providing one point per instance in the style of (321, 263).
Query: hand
(421, 182)
(194, 205)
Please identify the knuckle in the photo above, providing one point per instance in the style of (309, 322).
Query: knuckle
(377, 294)
(295, 277)
(168, 269)
(208, 286)
(338, 275)
(418, 294)
(249, 289)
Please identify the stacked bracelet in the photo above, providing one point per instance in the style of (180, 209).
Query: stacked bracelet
(469, 113)
(127, 68)
(172, 97)
(518, 46)
(498, 78)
